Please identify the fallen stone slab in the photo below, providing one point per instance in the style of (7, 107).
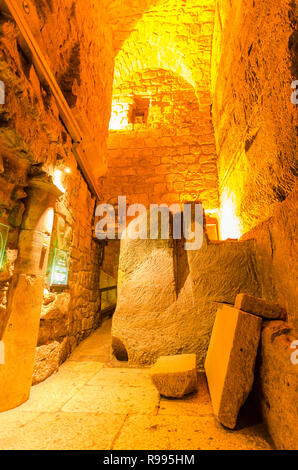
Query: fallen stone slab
(260, 307)
(175, 376)
(230, 361)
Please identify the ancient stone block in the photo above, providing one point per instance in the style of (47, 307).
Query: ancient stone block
(260, 307)
(230, 362)
(55, 319)
(168, 297)
(47, 360)
(175, 376)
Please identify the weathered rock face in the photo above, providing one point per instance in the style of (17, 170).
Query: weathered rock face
(175, 376)
(34, 141)
(55, 318)
(168, 297)
(47, 360)
(276, 241)
(230, 362)
(277, 383)
(77, 41)
(254, 118)
(260, 307)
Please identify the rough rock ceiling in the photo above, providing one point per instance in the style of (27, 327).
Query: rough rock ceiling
(123, 16)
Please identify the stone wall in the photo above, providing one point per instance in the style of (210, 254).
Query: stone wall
(77, 41)
(175, 35)
(70, 315)
(276, 252)
(254, 61)
(276, 386)
(170, 157)
(35, 143)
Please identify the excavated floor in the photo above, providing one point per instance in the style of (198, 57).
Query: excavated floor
(95, 403)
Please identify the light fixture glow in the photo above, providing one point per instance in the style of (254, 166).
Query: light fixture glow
(230, 226)
(57, 180)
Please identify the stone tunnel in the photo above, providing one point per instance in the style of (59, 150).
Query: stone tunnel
(107, 109)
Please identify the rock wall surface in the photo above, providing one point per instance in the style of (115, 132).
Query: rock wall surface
(168, 297)
(254, 62)
(276, 252)
(277, 383)
(34, 142)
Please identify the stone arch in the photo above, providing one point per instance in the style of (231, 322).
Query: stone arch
(151, 56)
(171, 35)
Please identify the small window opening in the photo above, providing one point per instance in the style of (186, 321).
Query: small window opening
(139, 110)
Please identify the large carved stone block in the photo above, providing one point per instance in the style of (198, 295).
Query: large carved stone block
(168, 297)
(230, 362)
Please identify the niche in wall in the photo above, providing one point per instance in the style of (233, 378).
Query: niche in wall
(139, 110)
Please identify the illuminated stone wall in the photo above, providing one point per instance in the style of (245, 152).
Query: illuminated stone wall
(276, 244)
(34, 142)
(171, 158)
(162, 47)
(253, 65)
(70, 315)
(170, 34)
(254, 61)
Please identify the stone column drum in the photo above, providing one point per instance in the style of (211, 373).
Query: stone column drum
(26, 294)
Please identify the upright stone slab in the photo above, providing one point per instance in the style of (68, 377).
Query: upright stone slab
(230, 362)
(175, 376)
(260, 307)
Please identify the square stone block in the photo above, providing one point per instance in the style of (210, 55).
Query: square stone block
(175, 376)
(260, 307)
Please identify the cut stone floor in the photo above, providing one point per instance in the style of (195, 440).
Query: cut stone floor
(95, 403)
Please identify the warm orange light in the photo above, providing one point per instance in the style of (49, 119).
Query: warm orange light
(49, 220)
(229, 222)
(119, 116)
(57, 180)
(117, 122)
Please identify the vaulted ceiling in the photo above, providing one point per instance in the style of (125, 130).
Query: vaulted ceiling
(171, 34)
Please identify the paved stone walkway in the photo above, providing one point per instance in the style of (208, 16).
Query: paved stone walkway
(93, 403)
